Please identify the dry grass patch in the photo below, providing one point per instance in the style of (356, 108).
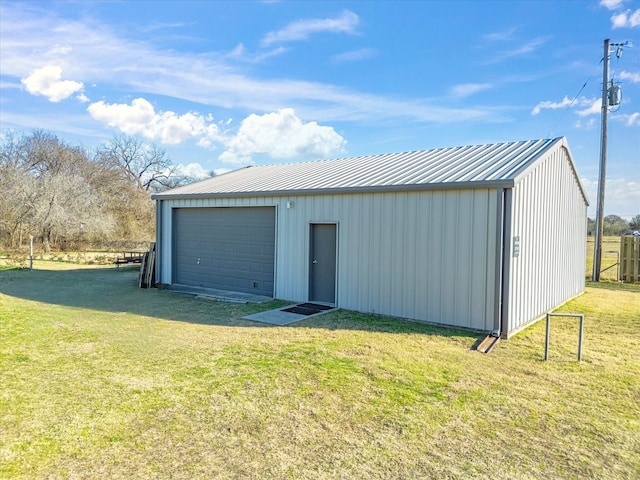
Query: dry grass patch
(104, 380)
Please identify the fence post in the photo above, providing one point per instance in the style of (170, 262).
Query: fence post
(630, 259)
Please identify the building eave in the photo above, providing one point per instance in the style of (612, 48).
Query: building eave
(508, 183)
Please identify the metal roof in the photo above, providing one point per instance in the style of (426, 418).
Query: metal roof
(498, 165)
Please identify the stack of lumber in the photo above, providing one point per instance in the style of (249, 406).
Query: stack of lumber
(147, 277)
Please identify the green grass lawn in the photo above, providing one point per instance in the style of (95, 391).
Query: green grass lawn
(100, 379)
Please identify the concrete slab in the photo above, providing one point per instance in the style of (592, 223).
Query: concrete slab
(220, 295)
(280, 317)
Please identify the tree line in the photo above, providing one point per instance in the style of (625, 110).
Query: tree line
(613, 225)
(65, 195)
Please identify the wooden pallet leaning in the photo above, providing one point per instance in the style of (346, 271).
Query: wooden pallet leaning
(143, 266)
(151, 262)
(147, 268)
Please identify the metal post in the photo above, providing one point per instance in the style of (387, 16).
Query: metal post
(31, 252)
(546, 339)
(597, 253)
(580, 338)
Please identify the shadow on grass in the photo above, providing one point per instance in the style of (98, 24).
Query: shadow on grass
(116, 290)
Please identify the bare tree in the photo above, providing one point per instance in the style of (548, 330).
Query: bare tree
(45, 191)
(144, 165)
(60, 194)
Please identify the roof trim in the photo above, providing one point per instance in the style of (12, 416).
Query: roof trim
(484, 184)
(563, 144)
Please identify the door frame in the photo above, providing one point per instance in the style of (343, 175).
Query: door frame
(308, 261)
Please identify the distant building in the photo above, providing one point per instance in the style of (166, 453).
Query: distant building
(485, 237)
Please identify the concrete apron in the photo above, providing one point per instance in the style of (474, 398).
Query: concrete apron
(221, 295)
(281, 317)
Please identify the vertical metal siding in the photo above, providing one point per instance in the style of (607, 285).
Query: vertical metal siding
(549, 216)
(421, 255)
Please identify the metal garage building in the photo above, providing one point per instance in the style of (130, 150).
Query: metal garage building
(486, 237)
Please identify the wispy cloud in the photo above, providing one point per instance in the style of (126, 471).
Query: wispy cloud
(612, 4)
(587, 106)
(355, 55)
(500, 36)
(626, 19)
(628, 119)
(547, 104)
(632, 77)
(522, 50)
(303, 29)
(211, 79)
(590, 124)
(621, 193)
(162, 26)
(241, 53)
(466, 89)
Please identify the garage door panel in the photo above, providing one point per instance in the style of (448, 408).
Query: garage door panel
(226, 248)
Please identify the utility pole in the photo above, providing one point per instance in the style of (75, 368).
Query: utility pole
(610, 98)
(597, 252)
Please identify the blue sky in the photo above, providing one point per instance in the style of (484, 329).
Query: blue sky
(220, 85)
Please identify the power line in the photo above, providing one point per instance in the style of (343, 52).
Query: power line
(568, 107)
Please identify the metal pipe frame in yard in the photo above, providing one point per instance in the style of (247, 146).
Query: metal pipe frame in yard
(546, 340)
(617, 263)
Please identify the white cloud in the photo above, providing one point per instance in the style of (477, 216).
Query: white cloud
(220, 171)
(630, 120)
(626, 19)
(589, 125)
(547, 104)
(632, 77)
(355, 55)
(281, 134)
(467, 89)
(131, 119)
(634, 120)
(193, 170)
(611, 4)
(589, 106)
(47, 81)
(594, 108)
(303, 29)
(140, 118)
(619, 194)
(278, 135)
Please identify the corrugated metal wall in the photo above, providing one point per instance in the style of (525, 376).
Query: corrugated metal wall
(421, 255)
(549, 216)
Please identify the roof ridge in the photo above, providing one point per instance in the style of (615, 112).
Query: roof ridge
(458, 167)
